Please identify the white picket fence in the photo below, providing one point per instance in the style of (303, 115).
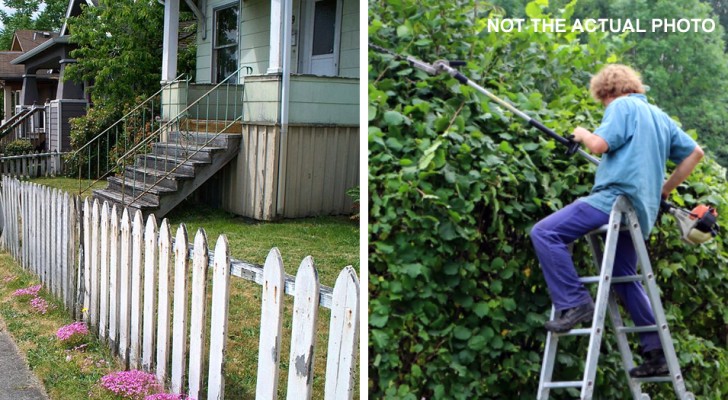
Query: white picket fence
(32, 165)
(132, 284)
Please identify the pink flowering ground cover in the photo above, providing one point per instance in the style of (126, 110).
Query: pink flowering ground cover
(132, 384)
(73, 335)
(39, 305)
(168, 396)
(29, 291)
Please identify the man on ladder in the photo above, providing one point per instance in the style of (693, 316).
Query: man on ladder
(636, 140)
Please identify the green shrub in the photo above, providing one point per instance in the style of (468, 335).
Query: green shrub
(457, 300)
(18, 147)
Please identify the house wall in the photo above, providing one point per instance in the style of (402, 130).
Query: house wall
(314, 100)
(254, 42)
(59, 114)
(349, 51)
(322, 163)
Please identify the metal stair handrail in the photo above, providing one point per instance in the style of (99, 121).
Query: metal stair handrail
(165, 127)
(167, 124)
(106, 132)
(18, 119)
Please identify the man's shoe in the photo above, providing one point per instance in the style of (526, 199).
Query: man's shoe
(654, 365)
(569, 318)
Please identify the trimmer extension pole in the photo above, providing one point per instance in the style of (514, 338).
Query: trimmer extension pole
(570, 144)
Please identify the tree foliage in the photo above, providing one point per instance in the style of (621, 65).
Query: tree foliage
(27, 14)
(119, 49)
(457, 300)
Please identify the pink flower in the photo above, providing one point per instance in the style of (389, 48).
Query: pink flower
(29, 291)
(8, 278)
(39, 305)
(130, 384)
(73, 335)
(168, 396)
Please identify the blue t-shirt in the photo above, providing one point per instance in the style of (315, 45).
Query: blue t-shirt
(641, 139)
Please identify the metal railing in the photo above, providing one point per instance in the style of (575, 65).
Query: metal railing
(96, 159)
(176, 145)
(22, 125)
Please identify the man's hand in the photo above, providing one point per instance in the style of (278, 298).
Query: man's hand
(594, 143)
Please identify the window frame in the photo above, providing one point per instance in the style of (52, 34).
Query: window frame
(215, 47)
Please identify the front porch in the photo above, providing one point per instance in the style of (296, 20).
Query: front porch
(302, 170)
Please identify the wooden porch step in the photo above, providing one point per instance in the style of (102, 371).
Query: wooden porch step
(211, 126)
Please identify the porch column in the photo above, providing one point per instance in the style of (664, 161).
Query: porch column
(7, 102)
(29, 94)
(280, 23)
(169, 44)
(68, 89)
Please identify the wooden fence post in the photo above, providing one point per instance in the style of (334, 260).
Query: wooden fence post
(271, 325)
(219, 320)
(303, 334)
(179, 340)
(197, 313)
(94, 250)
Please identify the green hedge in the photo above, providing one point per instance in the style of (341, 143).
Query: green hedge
(457, 300)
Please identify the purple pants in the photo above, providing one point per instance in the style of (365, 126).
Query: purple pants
(550, 238)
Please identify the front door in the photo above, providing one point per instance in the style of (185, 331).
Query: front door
(323, 35)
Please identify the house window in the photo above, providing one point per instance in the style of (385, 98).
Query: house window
(323, 27)
(226, 42)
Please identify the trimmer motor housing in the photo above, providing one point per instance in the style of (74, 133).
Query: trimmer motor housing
(697, 226)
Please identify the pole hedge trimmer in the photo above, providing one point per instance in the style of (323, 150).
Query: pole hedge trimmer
(696, 226)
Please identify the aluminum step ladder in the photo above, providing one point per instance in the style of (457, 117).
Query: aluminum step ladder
(622, 217)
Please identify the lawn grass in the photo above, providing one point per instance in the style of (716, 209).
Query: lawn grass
(333, 242)
(66, 374)
(70, 185)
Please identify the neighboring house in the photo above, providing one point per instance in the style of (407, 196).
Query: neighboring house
(13, 76)
(38, 102)
(298, 65)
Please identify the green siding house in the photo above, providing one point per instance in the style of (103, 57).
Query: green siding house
(296, 67)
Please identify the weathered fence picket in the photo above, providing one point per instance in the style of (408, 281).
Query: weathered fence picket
(303, 336)
(179, 322)
(133, 284)
(198, 312)
(151, 262)
(32, 165)
(271, 323)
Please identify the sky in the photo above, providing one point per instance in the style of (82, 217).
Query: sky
(7, 9)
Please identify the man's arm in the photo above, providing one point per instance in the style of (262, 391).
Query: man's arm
(682, 171)
(596, 144)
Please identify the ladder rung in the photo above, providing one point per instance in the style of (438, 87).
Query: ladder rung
(605, 228)
(616, 279)
(638, 329)
(665, 378)
(564, 384)
(577, 332)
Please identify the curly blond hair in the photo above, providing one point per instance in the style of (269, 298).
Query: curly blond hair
(615, 80)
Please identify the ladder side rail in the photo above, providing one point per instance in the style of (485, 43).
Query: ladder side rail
(616, 319)
(549, 360)
(653, 294)
(600, 307)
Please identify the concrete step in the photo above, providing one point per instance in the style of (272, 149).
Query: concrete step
(194, 152)
(135, 188)
(171, 181)
(113, 196)
(202, 138)
(161, 163)
(212, 126)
